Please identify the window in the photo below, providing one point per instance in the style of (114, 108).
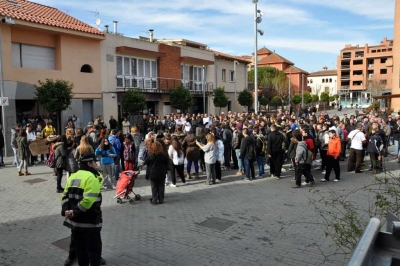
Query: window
(310, 80)
(223, 74)
(327, 89)
(383, 60)
(323, 80)
(31, 56)
(330, 80)
(383, 71)
(231, 76)
(136, 72)
(86, 69)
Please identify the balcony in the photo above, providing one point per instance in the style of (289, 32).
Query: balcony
(346, 56)
(345, 78)
(162, 85)
(345, 67)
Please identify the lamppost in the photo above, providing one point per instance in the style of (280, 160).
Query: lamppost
(290, 80)
(204, 89)
(257, 19)
(234, 76)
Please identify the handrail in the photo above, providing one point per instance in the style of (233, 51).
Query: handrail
(362, 254)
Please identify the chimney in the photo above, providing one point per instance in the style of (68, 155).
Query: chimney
(151, 35)
(115, 26)
(106, 30)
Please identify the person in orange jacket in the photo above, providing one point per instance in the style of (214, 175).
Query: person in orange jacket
(332, 156)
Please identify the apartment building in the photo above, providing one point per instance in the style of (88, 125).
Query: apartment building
(324, 80)
(40, 42)
(361, 68)
(396, 58)
(156, 66)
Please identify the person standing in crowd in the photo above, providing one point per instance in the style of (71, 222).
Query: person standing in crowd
(113, 123)
(81, 207)
(209, 158)
(332, 156)
(129, 153)
(192, 153)
(84, 148)
(137, 139)
(157, 162)
(114, 141)
(292, 150)
(396, 137)
(107, 153)
(374, 148)
(357, 139)
(71, 165)
(302, 157)
(94, 137)
(219, 153)
(23, 152)
(248, 154)
(31, 137)
(227, 141)
(175, 153)
(125, 126)
(236, 144)
(260, 152)
(203, 140)
(60, 152)
(14, 146)
(78, 136)
(275, 151)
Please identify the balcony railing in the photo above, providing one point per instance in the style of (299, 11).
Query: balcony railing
(345, 67)
(163, 85)
(345, 77)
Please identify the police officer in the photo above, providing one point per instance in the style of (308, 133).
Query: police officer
(81, 206)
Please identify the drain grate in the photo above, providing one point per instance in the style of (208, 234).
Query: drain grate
(35, 180)
(63, 243)
(217, 223)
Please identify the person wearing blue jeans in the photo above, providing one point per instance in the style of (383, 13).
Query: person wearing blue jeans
(113, 139)
(249, 168)
(248, 154)
(260, 152)
(240, 162)
(14, 135)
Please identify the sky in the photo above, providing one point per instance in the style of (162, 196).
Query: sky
(309, 33)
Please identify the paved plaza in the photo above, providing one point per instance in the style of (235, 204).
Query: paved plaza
(233, 223)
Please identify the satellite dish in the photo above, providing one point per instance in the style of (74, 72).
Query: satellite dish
(98, 22)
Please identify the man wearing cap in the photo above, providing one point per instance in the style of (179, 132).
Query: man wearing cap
(81, 206)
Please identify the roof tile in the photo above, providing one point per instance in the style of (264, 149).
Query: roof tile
(41, 14)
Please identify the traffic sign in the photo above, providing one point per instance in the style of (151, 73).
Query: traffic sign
(4, 101)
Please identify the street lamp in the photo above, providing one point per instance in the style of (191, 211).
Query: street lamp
(290, 80)
(234, 76)
(302, 90)
(204, 89)
(257, 19)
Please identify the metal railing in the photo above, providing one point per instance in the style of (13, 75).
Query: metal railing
(162, 84)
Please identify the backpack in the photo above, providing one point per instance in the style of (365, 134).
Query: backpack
(251, 152)
(262, 152)
(51, 162)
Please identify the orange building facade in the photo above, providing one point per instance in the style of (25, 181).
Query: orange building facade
(396, 58)
(361, 68)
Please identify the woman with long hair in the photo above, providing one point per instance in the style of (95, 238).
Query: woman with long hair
(137, 139)
(203, 140)
(192, 153)
(157, 162)
(107, 153)
(209, 157)
(83, 148)
(129, 153)
(23, 152)
(60, 152)
(175, 153)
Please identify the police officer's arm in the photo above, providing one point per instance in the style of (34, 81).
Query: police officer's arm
(91, 191)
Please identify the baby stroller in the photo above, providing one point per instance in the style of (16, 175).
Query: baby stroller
(124, 186)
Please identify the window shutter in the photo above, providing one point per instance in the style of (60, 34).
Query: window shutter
(134, 67)
(154, 69)
(147, 68)
(119, 65)
(127, 71)
(195, 73)
(38, 57)
(141, 68)
(16, 54)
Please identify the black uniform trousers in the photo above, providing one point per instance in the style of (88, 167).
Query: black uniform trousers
(158, 189)
(88, 247)
(331, 162)
(276, 162)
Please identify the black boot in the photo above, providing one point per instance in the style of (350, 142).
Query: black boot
(102, 261)
(69, 261)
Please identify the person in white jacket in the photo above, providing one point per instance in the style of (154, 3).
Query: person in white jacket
(219, 153)
(175, 152)
(31, 137)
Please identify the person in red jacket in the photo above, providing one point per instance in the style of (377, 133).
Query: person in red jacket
(332, 156)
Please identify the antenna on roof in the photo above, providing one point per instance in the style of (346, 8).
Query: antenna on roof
(97, 15)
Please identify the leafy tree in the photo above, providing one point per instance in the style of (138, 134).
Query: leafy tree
(220, 99)
(276, 100)
(296, 99)
(331, 98)
(55, 96)
(263, 101)
(133, 101)
(307, 98)
(272, 81)
(336, 96)
(324, 97)
(245, 98)
(181, 98)
(314, 98)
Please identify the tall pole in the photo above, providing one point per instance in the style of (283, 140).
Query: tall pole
(290, 80)
(3, 108)
(234, 76)
(204, 91)
(255, 61)
(302, 90)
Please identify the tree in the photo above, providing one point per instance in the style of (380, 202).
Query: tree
(220, 99)
(324, 97)
(296, 99)
(336, 96)
(245, 98)
(181, 98)
(314, 98)
(272, 81)
(55, 97)
(331, 98)
(376, 86)
(276, 100)
(133, 101)
(307, 97)
(263, 101)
